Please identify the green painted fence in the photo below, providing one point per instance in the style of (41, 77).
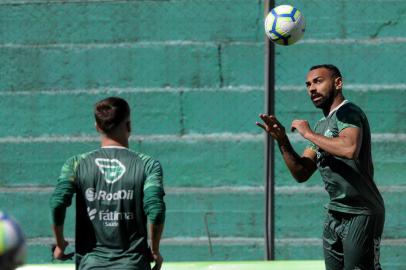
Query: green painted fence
(193, 73)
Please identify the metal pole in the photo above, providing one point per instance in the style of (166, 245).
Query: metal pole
(269, 144)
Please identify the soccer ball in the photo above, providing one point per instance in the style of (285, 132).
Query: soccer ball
(12, 243)
(285, 25)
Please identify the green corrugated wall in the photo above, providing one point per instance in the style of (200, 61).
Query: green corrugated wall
(193, 72)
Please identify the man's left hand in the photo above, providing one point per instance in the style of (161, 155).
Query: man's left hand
(302, 126)
(58, 252)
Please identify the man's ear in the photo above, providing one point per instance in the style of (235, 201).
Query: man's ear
(98, 129)
(338, 83)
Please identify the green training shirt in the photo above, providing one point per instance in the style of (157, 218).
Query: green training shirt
(117, 192)
(349, 182)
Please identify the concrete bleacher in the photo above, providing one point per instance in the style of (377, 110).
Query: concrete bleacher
(193, 73)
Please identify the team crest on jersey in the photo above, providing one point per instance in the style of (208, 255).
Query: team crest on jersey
(112, 169)
(328, 133)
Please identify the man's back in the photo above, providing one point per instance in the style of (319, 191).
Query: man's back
(118, 192)
(111, 210)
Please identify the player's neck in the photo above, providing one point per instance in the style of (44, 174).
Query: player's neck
(114, 141)
(336, 102)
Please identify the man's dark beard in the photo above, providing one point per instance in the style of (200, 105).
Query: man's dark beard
(325, 102)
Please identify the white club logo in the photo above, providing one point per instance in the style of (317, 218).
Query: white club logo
(112, 169)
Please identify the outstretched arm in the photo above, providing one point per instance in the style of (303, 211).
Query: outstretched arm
(301, 167)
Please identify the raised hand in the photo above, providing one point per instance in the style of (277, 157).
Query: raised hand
(272, 126)
(302, 126)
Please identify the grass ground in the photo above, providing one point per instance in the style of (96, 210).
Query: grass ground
(250, 265)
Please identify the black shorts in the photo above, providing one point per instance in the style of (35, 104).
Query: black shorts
(352, 242)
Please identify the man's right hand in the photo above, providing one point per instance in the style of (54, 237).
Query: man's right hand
(156, 256)
(272, 126)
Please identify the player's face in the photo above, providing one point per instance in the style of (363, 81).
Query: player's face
(321, 87)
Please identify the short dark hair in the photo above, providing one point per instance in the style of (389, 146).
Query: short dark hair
(335, 72)
(111, 112)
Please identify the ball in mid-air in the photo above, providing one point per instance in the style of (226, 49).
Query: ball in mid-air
(285, 25)
(12, 243)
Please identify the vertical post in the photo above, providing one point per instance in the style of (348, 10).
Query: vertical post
(269, 144)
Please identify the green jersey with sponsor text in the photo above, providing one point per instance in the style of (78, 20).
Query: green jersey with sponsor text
(349, 182)
(117, 192)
